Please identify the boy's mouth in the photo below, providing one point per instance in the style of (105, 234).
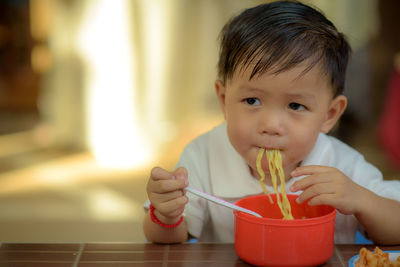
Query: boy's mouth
(269, 148)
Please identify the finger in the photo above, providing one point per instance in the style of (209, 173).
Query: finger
(309, 170)
(166, 208)
(165, 186)
(325, 199)
(165, 197)
(158, 173)
(314, 191)
(180, 173)
(308, 181)
(173, 214)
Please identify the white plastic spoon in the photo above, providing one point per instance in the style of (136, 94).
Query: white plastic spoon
(220, 201)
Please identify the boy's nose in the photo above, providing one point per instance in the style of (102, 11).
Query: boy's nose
(271, 124)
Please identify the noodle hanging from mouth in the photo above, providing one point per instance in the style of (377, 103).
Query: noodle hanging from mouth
(275, 168)
(262, 174)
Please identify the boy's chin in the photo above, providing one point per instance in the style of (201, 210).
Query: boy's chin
(254, 172)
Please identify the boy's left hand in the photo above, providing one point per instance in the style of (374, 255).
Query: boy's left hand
(328, 186)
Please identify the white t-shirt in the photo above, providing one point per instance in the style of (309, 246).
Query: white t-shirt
(216, 168)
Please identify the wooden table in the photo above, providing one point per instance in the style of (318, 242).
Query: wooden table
(135, 254)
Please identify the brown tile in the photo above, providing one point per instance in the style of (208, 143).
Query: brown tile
(40, 247)
(334, 261)
(120, 264)
(347, 251)
(121, 256)
(240, 263)
(207, 255)
(36, 264)
(202, 246)
(197, 264)
(208, 264)
(36, 256)
(123, 247)
(203, 254)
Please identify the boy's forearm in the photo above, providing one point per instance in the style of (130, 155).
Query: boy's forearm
(158, 234)
(381, 219)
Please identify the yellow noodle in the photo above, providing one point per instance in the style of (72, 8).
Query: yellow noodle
(286, 203)
(275, 166)
(262, 174)
(272, 171)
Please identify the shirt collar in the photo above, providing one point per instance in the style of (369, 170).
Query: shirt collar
(229, 173)
(315, 157)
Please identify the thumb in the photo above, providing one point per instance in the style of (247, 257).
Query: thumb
(181, 173)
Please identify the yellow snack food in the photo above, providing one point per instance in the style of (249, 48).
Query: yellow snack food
(378, 258)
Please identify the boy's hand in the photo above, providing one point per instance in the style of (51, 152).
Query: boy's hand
(166, 193)
(328, 186)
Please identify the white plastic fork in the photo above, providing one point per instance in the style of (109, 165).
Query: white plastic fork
(220, 201)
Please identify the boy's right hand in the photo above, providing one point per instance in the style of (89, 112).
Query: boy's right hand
(166, 193)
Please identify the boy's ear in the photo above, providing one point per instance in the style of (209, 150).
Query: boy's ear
(336, 109)
(220, 90)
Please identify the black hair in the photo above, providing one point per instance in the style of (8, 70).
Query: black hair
(280, 35)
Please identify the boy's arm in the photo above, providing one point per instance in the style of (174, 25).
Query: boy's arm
(328, 186)
(158, 234)
(166, 193)
(380, 218)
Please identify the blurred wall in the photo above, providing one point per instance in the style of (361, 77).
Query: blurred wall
(174, 51)
(142, 72)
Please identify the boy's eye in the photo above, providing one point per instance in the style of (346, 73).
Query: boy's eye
(296, 106)
(252, 101)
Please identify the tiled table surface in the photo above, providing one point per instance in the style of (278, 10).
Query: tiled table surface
(135, 254)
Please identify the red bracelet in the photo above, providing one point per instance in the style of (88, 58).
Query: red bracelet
(154, 219)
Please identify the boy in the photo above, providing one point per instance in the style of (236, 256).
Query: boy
(281, 76)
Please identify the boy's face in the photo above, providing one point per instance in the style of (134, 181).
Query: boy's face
(283, 111)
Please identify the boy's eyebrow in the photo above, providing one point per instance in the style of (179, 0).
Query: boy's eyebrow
(310, 98)
(292, 95)
(305, 95)
(249, 88)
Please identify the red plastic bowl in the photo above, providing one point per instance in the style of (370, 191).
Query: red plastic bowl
(308, 240)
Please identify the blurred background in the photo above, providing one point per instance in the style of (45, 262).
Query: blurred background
(95, 93)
